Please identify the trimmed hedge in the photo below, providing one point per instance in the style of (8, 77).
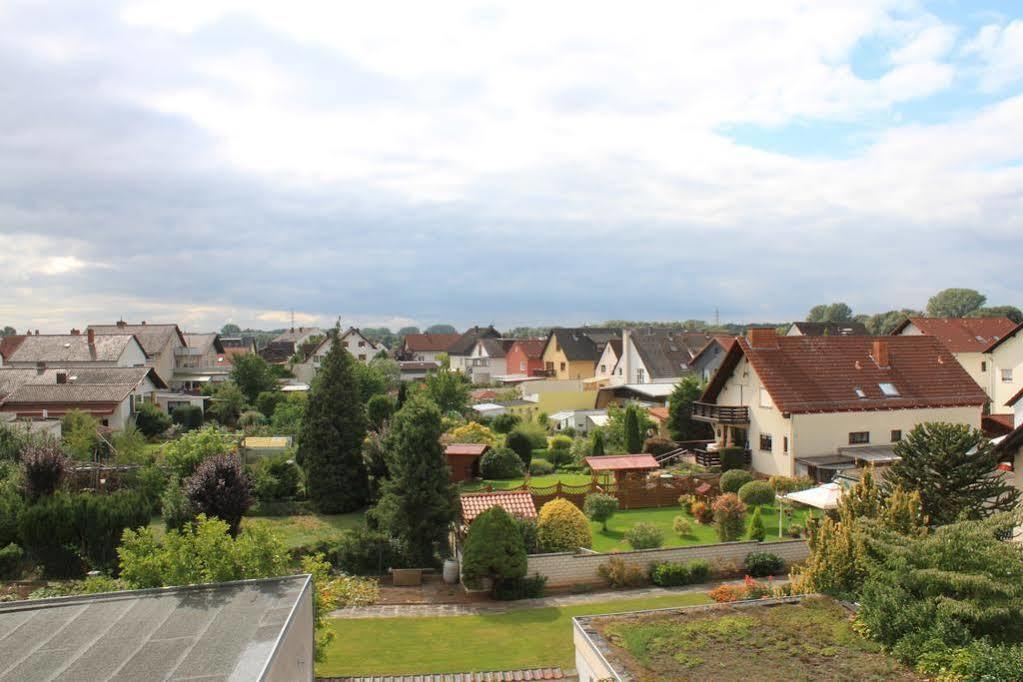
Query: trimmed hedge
(760, 564)
(756, 493)
(500, 463)
(734, 479)
(676, 573)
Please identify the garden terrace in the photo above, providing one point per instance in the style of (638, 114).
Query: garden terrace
(795, 638)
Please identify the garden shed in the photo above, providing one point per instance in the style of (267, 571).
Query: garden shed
(518, 503)
(464, 460)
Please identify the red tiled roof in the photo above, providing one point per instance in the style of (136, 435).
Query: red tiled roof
(466, 449)
(532, 348)
(516, 502)
(430, 342)
(821, 373)
(622, 463)
(1014, 399)
(962, 334)
(9, 344)
(995, 425)
(658, 412)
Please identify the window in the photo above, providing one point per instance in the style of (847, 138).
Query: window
(603, 369)
(785, 443)
(362, 356)
(766, 442)
(896, 435)
(362, 344)
(640, 376)
(1007, 376)
(983, 365)
(522, 365)
(860, 393)
(889, 390)
(859, 437)
(562, 367)
(765, 398)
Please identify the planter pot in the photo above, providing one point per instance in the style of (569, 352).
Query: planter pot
(450, 571)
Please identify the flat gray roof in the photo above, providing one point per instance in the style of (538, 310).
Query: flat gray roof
(223, 631)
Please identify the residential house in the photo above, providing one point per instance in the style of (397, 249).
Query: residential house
(552, 395)
(200, 361)
(285, 345)
(609, 368)
(77, 350)
(572, 353)
(849, 328)
(1004, 358)
(111, 394)
(582, 421)
(460, 352)
(525, 358)
(1010, 446)
(487, 361)
(8, 344)
(159, 341)
(416, 370)
(361, 348)
(818, 404)
(707, 360)
(237, 345)
(968, 339)
(658, 355)
(523, 408)
(426, 347)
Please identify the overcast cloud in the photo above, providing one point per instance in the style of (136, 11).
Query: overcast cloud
(394, 163)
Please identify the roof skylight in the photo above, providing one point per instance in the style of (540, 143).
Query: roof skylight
(889, 390)
(860, 393)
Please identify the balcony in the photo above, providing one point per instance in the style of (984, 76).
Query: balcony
(721, 414)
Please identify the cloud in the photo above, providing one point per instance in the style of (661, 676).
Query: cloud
(467, 163)
(1000, 50)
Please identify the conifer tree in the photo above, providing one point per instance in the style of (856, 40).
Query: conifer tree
(598, 443)
(633, 439)
(418, 501)
(954, 468)
(333, 429)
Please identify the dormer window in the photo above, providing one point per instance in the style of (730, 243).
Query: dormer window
(860, 393)
(889, 390)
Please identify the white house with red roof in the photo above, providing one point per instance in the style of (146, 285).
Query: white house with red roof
(815, 405)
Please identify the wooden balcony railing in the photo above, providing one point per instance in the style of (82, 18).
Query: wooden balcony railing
(720, 414)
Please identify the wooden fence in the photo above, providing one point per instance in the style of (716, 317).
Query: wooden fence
(101, 478)
(632, 492)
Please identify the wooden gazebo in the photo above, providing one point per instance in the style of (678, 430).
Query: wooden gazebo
(620, 465)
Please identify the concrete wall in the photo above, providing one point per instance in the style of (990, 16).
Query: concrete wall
(566, 568)
(590, 666)
(294, 658)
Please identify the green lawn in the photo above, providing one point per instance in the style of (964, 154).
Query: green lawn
(614, 537)
(566, 478)
(298, 530)
(522, 639)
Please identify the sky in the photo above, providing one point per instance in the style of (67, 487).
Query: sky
(214, 161)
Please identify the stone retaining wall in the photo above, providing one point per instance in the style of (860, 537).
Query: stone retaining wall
(563, 569)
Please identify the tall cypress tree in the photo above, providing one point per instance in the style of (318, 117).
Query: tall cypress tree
(418, 501)
(954, 468)
(334, 426)
(633, 439)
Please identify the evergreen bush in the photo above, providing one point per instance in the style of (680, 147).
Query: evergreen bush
(562, 527)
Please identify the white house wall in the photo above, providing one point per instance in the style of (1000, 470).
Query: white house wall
(1009, 355)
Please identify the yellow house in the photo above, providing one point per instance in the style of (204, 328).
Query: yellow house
(572, 353)
(813, 406)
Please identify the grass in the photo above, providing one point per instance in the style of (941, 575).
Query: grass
(811, 640)
(295, 531)
(520, 639)
(614, 537)
(566, 478)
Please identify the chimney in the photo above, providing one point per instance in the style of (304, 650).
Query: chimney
(143, 323)
(763, 337)
(881, 353)
(122, 323)
(61, 377)
(37, 332)
(92, 336)
(40, 367)
(76, 332)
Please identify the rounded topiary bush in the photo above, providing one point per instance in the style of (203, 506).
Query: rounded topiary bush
(644, 536)
(501, 463)
(540, 467)
(759, 564)
(756, 493)
(520, 443)
(562, 527)
(733, 479)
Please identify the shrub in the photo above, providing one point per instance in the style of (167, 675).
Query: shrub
(184, 454)
(189, 417)
(527, 528)
(520, 588)
(621, 574)
(536, 434)
(560, 451)
(11, 557)
(783, 485)
(682, 527)
(251, 418)
(562, 527)
(175, 507)
(363, 551)
(729, 517)
(500, 463)
(760, 564)
(379, 409)
(493, 548)
(11, 507)
(504, 423)
(676, 573)
(795, 530)
(658, 445)
(473, 432)
(275, 478)
(756, 493)
(150, 483)
(220, 488)
(756, 529)
(540, 467)
(600, 507)
(521, 444)
(750, 589)
(644, 536)
(44, 468)
(701, 512)
(734, 479)
(733, 458)
(978, 660)
(151, 420)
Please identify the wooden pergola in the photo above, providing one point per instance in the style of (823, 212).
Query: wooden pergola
(620, 465)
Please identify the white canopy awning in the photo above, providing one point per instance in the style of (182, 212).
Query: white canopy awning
(822, 497)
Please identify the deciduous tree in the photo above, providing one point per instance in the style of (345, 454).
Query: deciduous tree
(954, 303)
